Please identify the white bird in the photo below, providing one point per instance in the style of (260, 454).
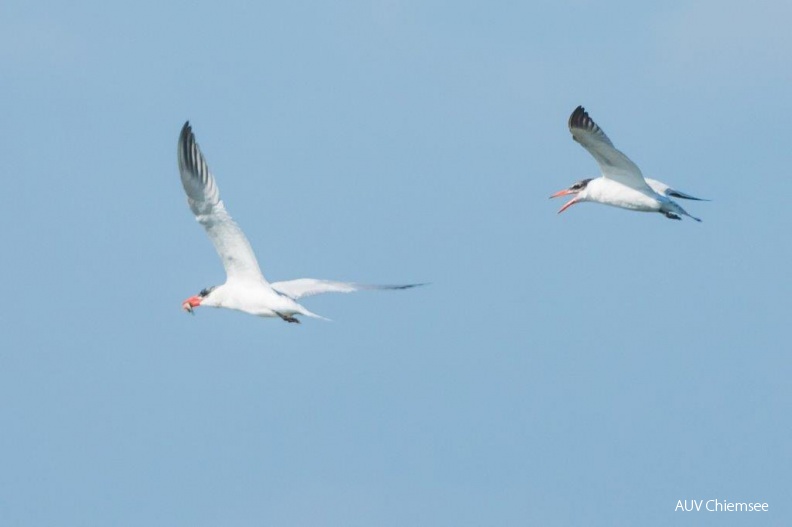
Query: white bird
(245, 288)
(621, 184)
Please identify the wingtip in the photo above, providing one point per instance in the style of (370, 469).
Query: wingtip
(186, 136)
(186, 140)
(677, 194)
(391, 287)
(579, 118)
(410, 286)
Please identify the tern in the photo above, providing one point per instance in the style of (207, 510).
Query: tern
(245, 288)
(621, 184)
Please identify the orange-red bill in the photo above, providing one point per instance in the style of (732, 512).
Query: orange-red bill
(567, 205)
(560, 193)
(190, 303)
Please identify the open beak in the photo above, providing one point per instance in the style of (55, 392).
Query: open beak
(560, 193)
(565, 192)
(567, 205)
(190, 303)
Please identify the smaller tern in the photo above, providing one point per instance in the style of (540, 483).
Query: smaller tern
(245, 288)
(621, 184)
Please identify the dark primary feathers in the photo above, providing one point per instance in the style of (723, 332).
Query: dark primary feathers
(580, 120)
(196, 178)
(678, 194)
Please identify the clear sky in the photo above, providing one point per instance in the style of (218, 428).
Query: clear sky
(589, 368)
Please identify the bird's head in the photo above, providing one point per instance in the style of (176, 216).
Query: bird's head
(574, 190)
(196, 300)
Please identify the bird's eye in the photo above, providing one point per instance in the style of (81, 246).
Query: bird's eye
(580, 185)
(204, 292)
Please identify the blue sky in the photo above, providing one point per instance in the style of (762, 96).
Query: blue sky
(588, 368)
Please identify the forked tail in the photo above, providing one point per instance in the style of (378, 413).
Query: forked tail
(313, 315)
(673, 210)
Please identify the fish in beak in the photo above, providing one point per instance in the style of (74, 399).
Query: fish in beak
(191, 303)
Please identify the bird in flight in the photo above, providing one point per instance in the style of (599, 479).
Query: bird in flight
(245, 288)
(621, 183)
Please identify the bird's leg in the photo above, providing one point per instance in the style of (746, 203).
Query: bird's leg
(288, 318)
(672, 216)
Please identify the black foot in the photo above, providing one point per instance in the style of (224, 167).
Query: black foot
(672, 216)
(288, 318)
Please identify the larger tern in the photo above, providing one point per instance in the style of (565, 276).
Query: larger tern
(621, 184)
(245, 288)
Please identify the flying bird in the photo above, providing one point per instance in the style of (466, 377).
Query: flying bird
(621, 183)
(245, 288)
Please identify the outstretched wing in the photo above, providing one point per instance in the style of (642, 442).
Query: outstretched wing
(203, 197)
(613, 164)
(296, 289)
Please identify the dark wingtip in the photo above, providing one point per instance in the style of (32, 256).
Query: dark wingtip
(581, 119)
(408, 286)
(677, 194)
(186, 139)
(578, 116)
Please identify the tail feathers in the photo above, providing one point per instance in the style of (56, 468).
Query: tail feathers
(684, 212)
(674, 211)
(313, 315)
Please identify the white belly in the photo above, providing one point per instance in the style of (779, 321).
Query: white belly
(615, 194)
(256, 299)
